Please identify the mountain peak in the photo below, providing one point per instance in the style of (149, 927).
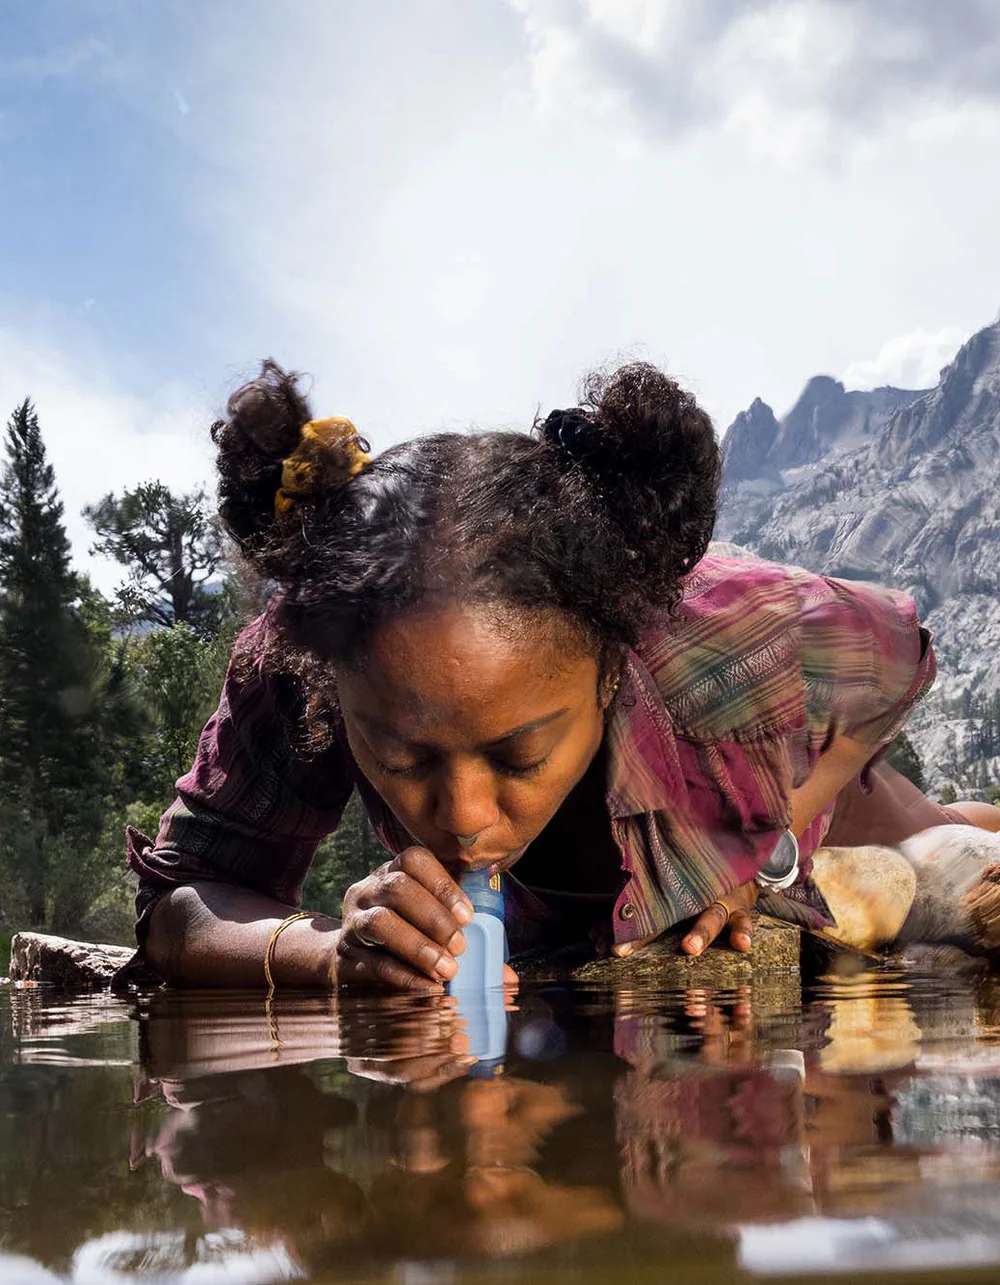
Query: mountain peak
(822, 386)
(748, 442)
(966, 401)
(977, 360)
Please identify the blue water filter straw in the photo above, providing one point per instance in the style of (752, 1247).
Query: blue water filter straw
(478, 984)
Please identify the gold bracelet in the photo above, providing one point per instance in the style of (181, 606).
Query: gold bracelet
(269, 953)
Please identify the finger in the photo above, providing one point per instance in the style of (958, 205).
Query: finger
(418, 1072)
(713, 1024)
(366, 969)
(412, 902)
(511, 981)
(740, 930)
(444, 1074)
(381, 927)
(695, 1002)
(423, 866)
(629, 947)
(743, 1008)
(706, 928)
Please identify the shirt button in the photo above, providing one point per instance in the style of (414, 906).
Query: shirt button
(627, 911)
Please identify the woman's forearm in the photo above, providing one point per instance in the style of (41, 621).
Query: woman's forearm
(841, 763)
(216, 934)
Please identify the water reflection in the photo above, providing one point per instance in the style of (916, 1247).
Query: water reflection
(396, 1152)
(719, 1133)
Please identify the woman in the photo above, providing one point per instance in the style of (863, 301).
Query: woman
(514, 647)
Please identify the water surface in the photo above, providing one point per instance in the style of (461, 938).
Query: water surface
(603, 1136)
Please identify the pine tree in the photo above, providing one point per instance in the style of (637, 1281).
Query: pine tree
(902, 756)
(172, 550)
(50, 797)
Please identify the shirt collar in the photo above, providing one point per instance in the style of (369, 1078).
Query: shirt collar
(644, 771)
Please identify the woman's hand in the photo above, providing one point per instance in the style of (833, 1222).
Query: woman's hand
(732, 912)
(402, 926)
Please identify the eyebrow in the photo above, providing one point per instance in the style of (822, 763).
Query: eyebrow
(535, 725)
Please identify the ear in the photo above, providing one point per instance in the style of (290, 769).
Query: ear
(608, 688)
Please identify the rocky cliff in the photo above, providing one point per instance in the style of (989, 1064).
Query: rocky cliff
(903, 488)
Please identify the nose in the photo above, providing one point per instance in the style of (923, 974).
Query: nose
(465, 804)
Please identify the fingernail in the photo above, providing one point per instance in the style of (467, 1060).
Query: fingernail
(446, 968)
(457, 944)
(697, 944)
(463, 912)
(622, 951)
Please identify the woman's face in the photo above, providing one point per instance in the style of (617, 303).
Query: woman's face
(474, 724)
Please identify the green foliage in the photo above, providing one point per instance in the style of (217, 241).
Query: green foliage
(177, 675)
(109, 911)
(948, 795)
(50, 740)
(904, 758)
(342, 859)
(95, 726)
(171, 549)
(984, 711)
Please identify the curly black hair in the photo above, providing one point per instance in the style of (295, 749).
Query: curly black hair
(598, 512)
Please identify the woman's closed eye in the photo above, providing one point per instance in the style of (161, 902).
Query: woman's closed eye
(504, 767)
(519, 770)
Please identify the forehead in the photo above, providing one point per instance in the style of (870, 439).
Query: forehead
(469, 674)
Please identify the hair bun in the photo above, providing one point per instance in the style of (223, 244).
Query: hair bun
(269, 411)
(652, 458)
(263, 424)
(569, 430)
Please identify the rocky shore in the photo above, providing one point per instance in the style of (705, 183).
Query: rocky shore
(77, 965)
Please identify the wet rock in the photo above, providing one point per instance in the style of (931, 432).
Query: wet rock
(57, 961)
(958, 888)
(775, 953)
(939, 959)
(869, 1030)
(869, 890)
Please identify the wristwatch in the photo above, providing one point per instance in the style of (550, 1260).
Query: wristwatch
(782, 866)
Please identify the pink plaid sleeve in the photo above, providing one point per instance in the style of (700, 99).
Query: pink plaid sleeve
(866, 659)
(254, 806)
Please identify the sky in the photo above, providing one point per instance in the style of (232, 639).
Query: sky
(447, 212)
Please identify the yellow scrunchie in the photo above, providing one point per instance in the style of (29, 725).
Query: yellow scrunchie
(319, 439)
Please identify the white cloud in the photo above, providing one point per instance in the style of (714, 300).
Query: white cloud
(914, 360)
(787, 77)
(100, 438)
(378, 201)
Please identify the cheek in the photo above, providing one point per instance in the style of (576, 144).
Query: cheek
(404, 797)
(410, 802)
(532, 803)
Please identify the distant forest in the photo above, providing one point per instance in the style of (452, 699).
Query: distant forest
(102, 701)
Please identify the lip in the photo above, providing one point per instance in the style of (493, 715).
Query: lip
(494, 865)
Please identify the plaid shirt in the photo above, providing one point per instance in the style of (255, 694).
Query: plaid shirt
(721, 712)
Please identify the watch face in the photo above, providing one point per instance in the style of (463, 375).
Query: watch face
(783, 862)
